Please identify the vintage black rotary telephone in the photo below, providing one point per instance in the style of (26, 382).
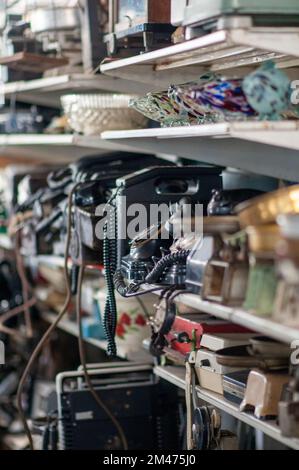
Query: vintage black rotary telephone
(35, 205)
(42, 228)
(45, 231)
(173, 186)
(147, 259)
(97, 176)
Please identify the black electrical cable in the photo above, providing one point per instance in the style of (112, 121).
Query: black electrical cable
(131, 290)
(88, 381)
(144, 292)
(122, 288)
(109, 258)
(154, 276)
(49, 331)
(164, 263)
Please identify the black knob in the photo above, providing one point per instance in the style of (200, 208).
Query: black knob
(182, 337)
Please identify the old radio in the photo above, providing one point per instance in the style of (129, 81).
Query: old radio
(136, 398)
(139, 25)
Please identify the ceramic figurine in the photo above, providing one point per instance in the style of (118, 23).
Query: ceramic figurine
(268, 91)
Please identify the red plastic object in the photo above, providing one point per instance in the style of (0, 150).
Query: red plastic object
(201, 324)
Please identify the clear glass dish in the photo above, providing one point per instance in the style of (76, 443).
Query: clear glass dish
(93, 114)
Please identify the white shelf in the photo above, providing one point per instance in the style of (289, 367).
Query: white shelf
(250, 146)
(261, 325)
(97, 142)
(42, 147)
(35, 139)
(56, 148)
(225, 50)
(47, 91)
(176, 376)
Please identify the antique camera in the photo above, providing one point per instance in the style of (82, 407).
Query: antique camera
(138, 25)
